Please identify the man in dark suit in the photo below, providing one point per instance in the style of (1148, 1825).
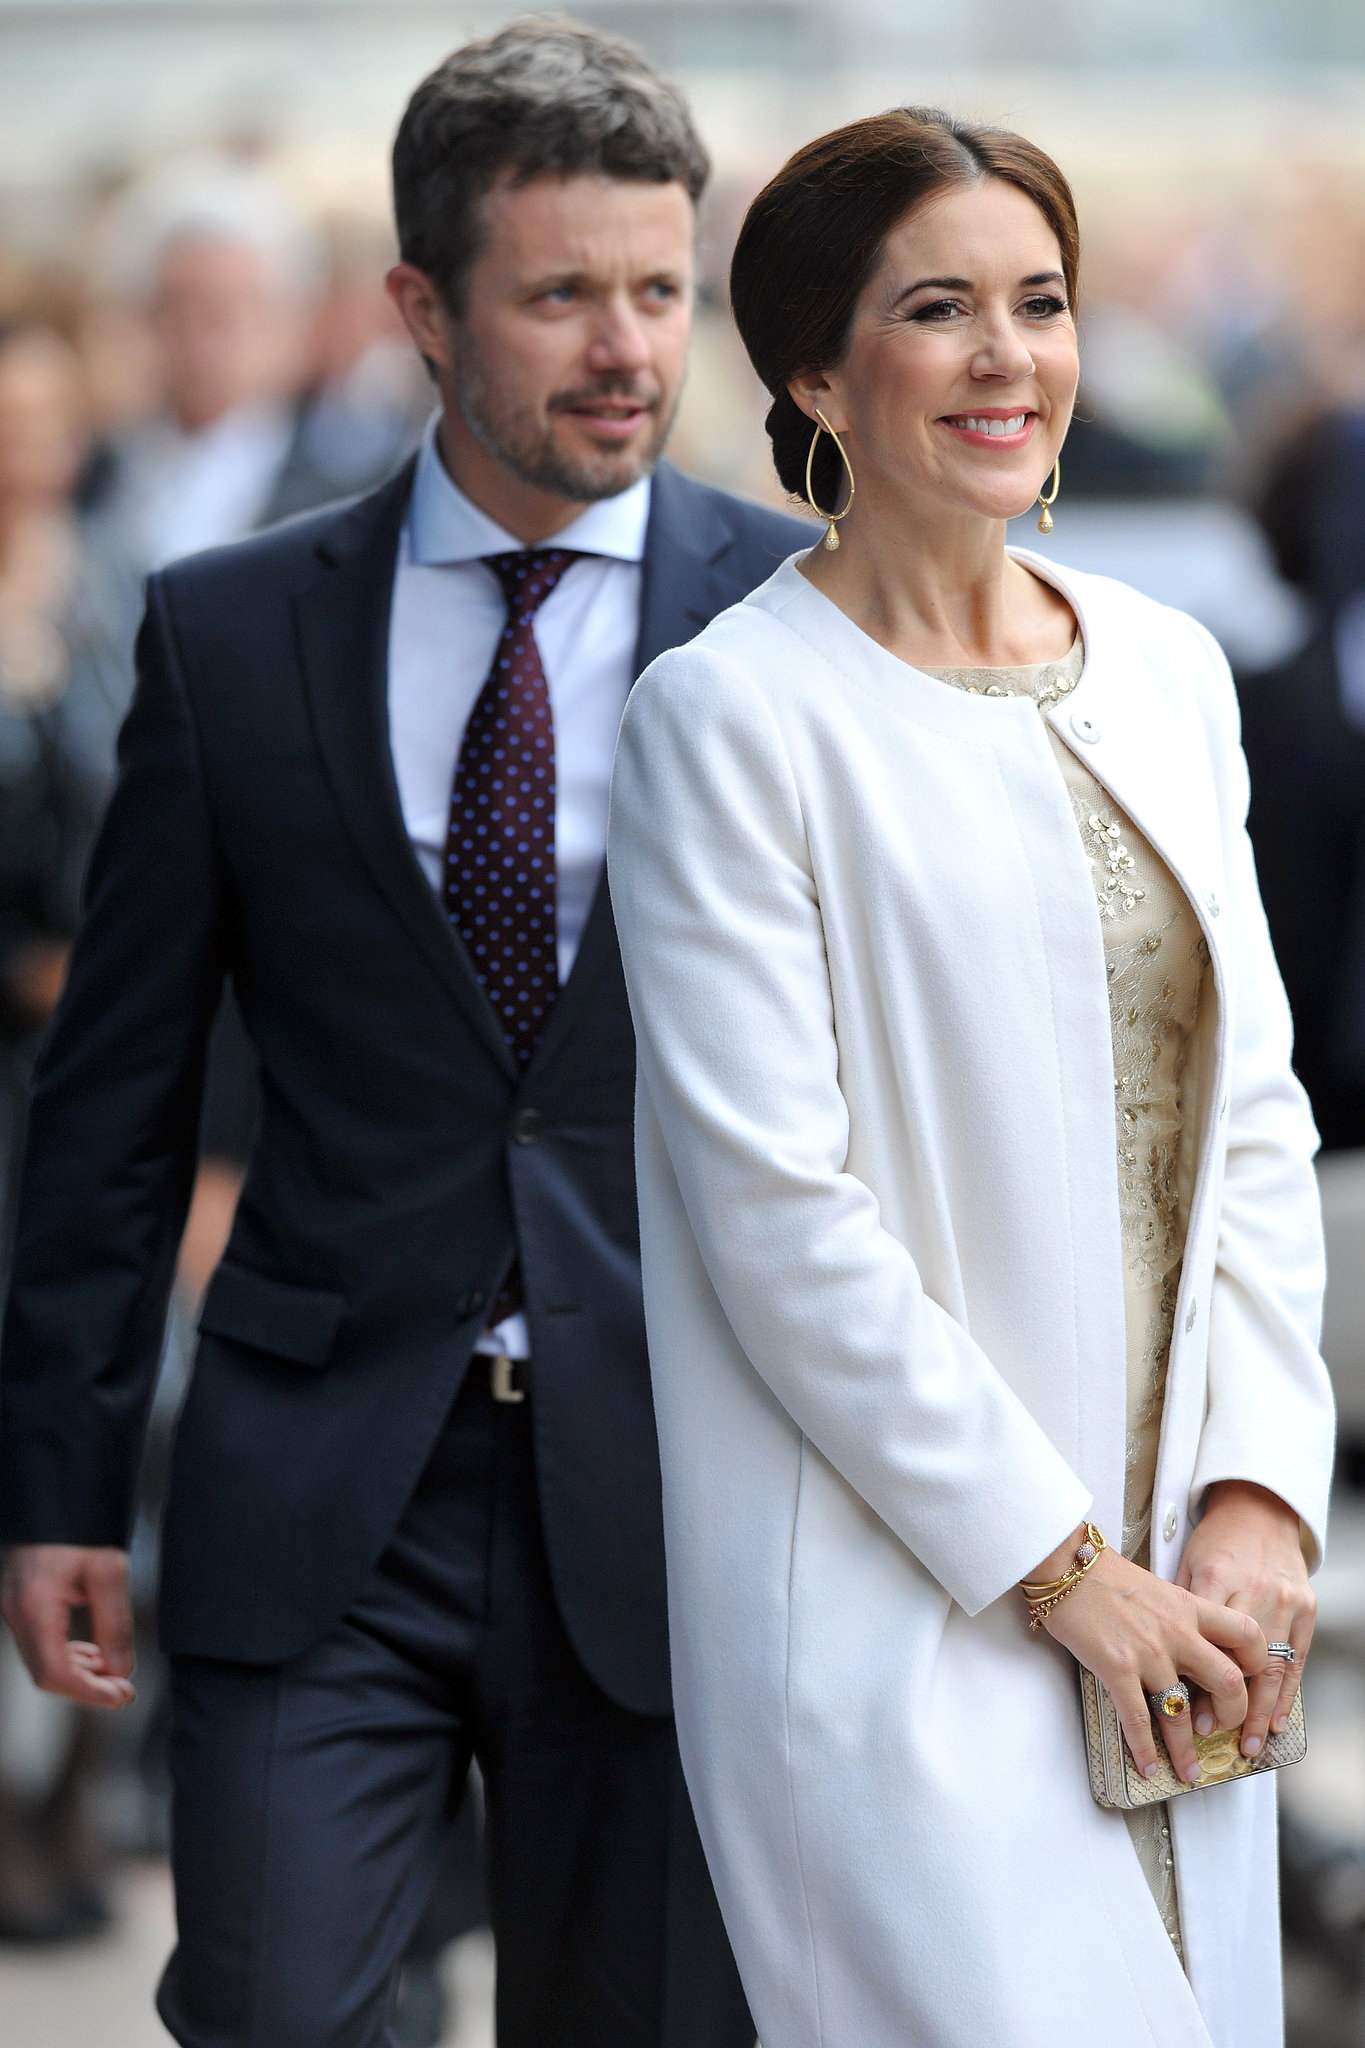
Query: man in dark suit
(414, 1514)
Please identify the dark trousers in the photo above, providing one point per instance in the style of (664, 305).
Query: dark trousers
(311, 1801)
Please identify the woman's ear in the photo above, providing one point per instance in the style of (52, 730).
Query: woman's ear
(812, 390)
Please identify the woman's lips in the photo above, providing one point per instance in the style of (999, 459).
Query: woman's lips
(992, 429)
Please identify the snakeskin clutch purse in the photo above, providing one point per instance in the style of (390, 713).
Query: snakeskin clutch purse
(1115, 1779)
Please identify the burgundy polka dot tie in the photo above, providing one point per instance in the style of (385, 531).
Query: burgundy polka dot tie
(500, 845)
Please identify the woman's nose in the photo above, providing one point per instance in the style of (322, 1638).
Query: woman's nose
(1003, 352)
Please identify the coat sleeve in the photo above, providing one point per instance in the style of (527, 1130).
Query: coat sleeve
(721, 934)
(112, 1134)
(1269, 1417)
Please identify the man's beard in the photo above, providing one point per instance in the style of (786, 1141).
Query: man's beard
(523, 439)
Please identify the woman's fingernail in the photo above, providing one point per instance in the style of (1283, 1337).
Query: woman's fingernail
(1193, 1773)
(1203, 1724)
(1149, 1770)
(1252, 1746)
(1280, 1723)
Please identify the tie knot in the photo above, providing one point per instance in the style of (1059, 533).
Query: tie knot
(527, 579)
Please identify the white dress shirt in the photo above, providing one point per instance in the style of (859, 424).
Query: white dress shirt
(448, 615)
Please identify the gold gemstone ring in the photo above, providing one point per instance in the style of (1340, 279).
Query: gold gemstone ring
(1172, 1700)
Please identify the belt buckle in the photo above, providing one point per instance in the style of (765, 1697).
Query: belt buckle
(502, 1376)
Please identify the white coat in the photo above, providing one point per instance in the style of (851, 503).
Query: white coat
(880, 1227)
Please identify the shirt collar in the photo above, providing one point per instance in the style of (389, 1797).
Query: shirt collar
(446, 526)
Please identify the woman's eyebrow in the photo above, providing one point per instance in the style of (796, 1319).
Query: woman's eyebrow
(964, 284)
(942, 284)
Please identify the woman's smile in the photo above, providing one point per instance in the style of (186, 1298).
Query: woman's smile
(993, 426)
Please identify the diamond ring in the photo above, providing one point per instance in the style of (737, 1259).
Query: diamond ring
(1172, 1700)
(1285, 1650)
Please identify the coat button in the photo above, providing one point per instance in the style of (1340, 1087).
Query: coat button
(1214, 905)
(528, 1126)
(470, 1304)
(1084, 728)
(1190, 1314)
(1170, 1522)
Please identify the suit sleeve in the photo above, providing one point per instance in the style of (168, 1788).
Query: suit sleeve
(1270, 1413)
(724, 952)
(112, 1132)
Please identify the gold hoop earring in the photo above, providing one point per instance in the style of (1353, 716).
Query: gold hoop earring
(831, 540)
(1045, 516)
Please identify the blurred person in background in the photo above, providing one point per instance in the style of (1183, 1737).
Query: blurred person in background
(226, 278)
(50, 1854)
(271, 350)
(230, 392)
(1303, 727)
(415, 1508)
(366, 398)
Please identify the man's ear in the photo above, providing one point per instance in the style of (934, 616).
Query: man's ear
(423, 312)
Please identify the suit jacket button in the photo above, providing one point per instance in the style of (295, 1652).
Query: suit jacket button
(528, 1126)
(470, 1304)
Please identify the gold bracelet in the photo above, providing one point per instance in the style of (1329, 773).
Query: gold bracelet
(1043, 1595)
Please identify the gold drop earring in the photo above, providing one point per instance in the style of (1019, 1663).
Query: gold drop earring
(831, 540)
(1048, 500)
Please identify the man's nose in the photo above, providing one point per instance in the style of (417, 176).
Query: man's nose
(619, 340)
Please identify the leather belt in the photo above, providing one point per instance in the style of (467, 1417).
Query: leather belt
(509, 1377)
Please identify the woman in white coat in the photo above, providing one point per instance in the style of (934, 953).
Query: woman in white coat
(975, 1185)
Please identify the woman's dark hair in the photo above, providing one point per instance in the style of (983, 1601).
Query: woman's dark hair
(540, 97)
(814, 236)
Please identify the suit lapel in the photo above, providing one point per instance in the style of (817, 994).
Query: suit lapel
(684, 585)
(342, 623)
(684, 578)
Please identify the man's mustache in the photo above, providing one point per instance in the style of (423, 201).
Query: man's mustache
(607, 387)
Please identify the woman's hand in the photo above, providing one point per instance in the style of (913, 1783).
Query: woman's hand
(1138, 1635)
(1245, 1555)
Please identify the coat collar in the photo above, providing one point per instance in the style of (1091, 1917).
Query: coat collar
(1113, 721)
(1129, 718)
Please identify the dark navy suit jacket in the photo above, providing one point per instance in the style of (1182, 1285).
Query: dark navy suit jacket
(256, 834)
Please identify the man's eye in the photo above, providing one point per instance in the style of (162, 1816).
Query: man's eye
(559, 295)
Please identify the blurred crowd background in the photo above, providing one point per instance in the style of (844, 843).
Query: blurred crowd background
(194, 341)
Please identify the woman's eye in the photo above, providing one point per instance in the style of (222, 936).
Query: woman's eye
(1044, 306)
(941, 309)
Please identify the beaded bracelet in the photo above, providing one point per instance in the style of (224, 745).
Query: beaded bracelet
(1043, 1595)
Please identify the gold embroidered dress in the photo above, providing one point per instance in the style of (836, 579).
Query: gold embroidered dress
(1155, 957)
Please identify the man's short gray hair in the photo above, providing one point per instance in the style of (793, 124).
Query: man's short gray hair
(541, 97)
(203, 197)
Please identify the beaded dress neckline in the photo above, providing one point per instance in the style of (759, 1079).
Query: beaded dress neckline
(1046, 682)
